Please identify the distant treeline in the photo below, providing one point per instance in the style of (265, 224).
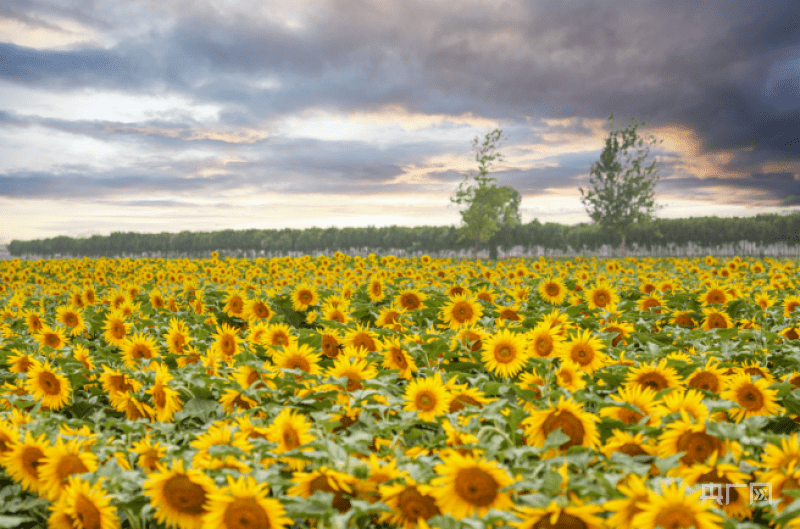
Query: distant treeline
(700, 231)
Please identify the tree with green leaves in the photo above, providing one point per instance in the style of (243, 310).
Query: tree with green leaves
(622, 195)
(488, 207)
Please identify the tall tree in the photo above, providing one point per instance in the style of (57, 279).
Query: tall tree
(622, 195)
(488, 207)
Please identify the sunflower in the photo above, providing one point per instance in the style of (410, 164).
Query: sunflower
(584, 351)
(680, 400)
(624, 510)
(733, 503)
(289, 430)
(217, 435)
(295, 356)
(673, 508)
(378, 474)
(410, 299)
(633, 395)
(335, 313)
(9, 438)
(303, 297)
(461, 395)
(628, 444)
(709, 378)
(505, 353)
(567, 415)
(166, 401)
(650, 303)
(355, 369)
(361, 336)
(33, 318)
(326, 480)
(790, 481)
(60, 462)
(227, 342)
(257, 309)
(790, 304)
(244, 504)
(279, 335)
(778, 460)
(388, 316)
(656, 377)
(72, 318)
(465, 485)
(177, 336)
(234, 304)
(552, 290)
(621, 329)
(395, 357)
(149, 453)
(179, 496)
(543, 341)
(375, 289)
(428, 397)
(82, 355)
(83, 506)
(410, 502)
(752, 396)
(461, 311)
(557, 517)
(570, 378)
(52, 337)
(682, 318)
(602, 295)
(23, 460)
(20, 362)
(117, 384)
(116, 328)
(331, 342)
(49, 386)
(716, 319)
(684, 435)
(715, 295)
(137, 348)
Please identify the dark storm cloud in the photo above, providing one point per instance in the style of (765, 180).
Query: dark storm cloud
(773, 189)
(727, 70)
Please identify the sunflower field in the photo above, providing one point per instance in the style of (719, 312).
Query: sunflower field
(339, 391)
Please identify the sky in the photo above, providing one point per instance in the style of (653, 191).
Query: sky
(153, 116)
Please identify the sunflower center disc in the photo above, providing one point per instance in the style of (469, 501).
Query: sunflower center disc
(565, 521)
(184, 496)
(476, 487)
(414, 505)
(246, 513)
(87, 513)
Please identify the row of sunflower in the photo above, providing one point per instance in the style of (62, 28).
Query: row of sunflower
(392, 392)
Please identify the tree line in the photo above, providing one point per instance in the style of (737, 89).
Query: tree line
(762, 229)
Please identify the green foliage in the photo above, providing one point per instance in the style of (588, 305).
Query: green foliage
(621, 195)
(488, 207)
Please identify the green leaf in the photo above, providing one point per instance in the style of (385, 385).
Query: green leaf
(12, 522)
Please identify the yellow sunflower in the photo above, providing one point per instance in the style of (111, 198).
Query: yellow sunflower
(656, 377)
(83, 506)
(555, 516)
(137, 348)
(60, 462)
(625, 509)
(505, 353)
(623, 331)
(279, 335)
(461, 311)
(628, 444)
(543, 341)
(682, 318)
(375, 289)
(410, 299)
(289, 430)
(552, 290)
(352, 367)
(716, 319)
(303, 297)
(428, 397)
(602, 295)
(116, 328)
(23, 460)
(244, 504)
(327, 480)
(633, 395)
(72, 318)
(734, 502)
(179, 497)
(234, 304)
(684, 435)
(226, 342)
(361, 336)
(790, 304)
(395, 357)
(388, 317)
(570, 378)
(295, 356)
(166, 401)
(149, 453)
(53, 337)
(257, 309)
(465, 485)
(48, 386)
(680, 400)
(715, 295)
(177, 336)
(710, 378)
(752, 396)
(567, 415)
(410, 502)
(584, 351)
(673, 508)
